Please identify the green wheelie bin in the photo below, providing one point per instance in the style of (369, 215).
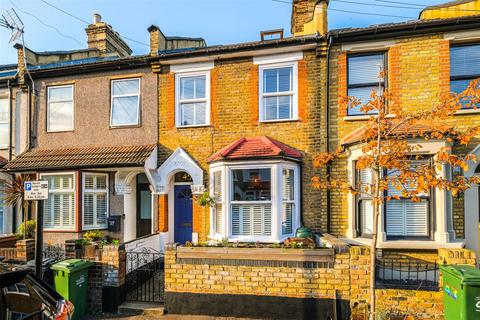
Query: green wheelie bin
(461, 292)
(71, 281)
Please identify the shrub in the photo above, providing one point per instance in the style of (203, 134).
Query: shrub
(93, 235)
(27, 228)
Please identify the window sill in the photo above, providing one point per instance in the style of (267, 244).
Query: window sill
(406, 244)
(60, 131)
(279, 120)
(194, 126)
(365, 117)
(126, 126)
(467, 111)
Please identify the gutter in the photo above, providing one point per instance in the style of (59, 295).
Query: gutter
(420, 27)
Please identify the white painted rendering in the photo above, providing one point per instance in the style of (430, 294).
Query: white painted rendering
(472, 210)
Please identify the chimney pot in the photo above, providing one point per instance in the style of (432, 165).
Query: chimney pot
(97, 18)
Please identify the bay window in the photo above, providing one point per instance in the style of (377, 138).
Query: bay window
(59, 209)
(255, 201)
(95, 201)
(464, 67)
(251, 206)
(364, 76)
(403, 217)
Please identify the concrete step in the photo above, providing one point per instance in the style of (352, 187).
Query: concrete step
(141, 308)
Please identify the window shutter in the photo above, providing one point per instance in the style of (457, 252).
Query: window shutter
(217, 194)
(395, 217)
(464, 60)
(88, 204)
(365, 69)
(366, 211)
(288, 181)
(287, 214)
(416, 218)
(250, 220)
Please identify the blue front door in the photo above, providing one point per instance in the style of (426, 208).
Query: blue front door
(183, 213)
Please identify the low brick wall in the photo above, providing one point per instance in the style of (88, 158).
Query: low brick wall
(292, 290)
(106, 277)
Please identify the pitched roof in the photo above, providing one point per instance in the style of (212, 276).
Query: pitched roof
(77, 158)
(418, 129)
(256, 147)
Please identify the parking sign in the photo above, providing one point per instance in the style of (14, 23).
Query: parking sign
(36, 190)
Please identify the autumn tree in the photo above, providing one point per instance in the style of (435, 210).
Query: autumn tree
(390, 147)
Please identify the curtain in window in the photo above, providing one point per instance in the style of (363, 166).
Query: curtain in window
(363, 78)
(95, 201)
(59, 209)
(288, 201)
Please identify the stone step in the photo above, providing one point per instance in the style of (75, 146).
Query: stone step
(141, 308)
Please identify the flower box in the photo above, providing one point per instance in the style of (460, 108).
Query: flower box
(261, 254)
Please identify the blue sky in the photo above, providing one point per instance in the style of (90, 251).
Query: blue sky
(218, 21)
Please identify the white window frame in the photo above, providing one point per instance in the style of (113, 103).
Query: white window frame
(74, 209)
(293, 92)
(95, 226)
(7, 122)
(73, 107)
(178, 101)
(112, 96)
(276, 201)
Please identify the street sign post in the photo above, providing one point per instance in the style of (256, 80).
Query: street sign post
(37, 191)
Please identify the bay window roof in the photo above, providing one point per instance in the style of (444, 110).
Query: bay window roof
(254, 148)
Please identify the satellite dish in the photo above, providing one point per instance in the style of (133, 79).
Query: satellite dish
(12, 21)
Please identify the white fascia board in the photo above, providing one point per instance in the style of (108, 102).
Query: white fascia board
(367, 46)
(192, 67)
(462, 35)
(278, 58)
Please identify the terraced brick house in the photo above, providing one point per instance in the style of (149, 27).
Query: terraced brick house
(242, 122)
(439, 51)
(13, 138)
(93, 134)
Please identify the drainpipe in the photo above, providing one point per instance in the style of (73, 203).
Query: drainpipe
(327, 126)
(10, 143)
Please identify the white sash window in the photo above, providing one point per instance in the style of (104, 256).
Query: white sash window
(364, 201)
(95, 201)
(59, 209)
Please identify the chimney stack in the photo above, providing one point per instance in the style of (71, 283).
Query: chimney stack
(309, 17)
(158, 41)
(102, 37)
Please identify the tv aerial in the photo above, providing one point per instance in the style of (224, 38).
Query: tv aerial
(12, 21)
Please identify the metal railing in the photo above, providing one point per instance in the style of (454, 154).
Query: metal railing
(411, 275)
(144, 276)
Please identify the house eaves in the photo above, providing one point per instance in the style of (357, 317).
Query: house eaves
(406, 28)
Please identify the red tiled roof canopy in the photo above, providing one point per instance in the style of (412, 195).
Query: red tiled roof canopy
(255, 147)
(76, 158)
(406, 129)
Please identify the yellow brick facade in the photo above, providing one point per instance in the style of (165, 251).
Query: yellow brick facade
(418, 72)
(234, 114)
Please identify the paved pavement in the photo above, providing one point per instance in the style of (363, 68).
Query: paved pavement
(152, 317)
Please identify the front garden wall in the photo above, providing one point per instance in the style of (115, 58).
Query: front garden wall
(290, 289)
